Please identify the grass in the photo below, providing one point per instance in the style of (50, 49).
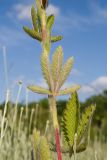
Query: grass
(16, 136)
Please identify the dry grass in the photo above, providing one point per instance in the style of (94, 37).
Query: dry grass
(16, 138)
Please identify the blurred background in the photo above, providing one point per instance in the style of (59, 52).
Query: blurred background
(83, 24)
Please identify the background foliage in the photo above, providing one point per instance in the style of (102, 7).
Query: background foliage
(99, 123)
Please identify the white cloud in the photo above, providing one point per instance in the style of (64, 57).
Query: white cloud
(52, 9)
(22, 11)
(95, 87)
(96, 15)
(100, 83)
(87, 90)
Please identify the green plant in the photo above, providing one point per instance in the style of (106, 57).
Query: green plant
(41, 147)
(75, 127)
(55, 73)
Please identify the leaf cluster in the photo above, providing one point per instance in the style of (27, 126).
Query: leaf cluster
(36, 31)
(55, 74)
(76, 126)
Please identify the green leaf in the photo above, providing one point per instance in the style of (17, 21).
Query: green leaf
(32, 33)
(39, 90)
(69, 90)
(65, 72)
(69, 122)
(56, 38)
(86, 117)
(46, 69)
(56, 66)
(50, 22)
(39, 7)
(34, 18)
(84, 140)
(39, 23)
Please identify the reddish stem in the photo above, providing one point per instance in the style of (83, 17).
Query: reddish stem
(44, 34)
(57, 138)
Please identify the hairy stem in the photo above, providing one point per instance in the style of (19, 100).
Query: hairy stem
(58, 148)
(46, 45)
(52, 103)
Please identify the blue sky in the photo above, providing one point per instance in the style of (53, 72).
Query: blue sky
(83, 25)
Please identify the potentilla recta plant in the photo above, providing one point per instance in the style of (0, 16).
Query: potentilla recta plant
(74, 126)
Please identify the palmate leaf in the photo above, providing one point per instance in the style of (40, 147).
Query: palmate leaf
(34, 18)
(38, 89)
(50, 22)
(32, 33)
(46, 69)
(56, 66)
(86, 117)
(65, 72)
(70, 119)
(69, 90)
(56, 38)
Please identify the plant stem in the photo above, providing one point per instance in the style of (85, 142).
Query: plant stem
(46, 45)
(52, 104)
(58, 148)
